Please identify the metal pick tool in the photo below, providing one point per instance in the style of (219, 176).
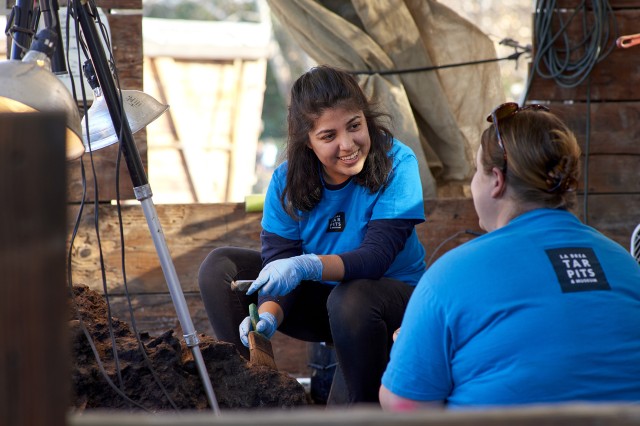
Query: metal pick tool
(240, 285)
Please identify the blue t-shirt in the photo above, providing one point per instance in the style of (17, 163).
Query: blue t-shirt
(339, 222)
(543, 310)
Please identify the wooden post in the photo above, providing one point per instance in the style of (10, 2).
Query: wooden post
(34, 378)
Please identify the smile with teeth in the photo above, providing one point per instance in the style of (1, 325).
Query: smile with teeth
(350, 157)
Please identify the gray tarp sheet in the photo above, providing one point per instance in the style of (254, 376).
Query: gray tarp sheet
(440, 114)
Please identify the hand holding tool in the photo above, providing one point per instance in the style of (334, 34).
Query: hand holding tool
(281, 276)
(264, 323)
(260, 350)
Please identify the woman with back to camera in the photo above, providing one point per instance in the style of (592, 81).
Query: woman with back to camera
(340, 255)
(541, 309)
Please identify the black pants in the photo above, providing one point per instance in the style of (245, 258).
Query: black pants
(358, 317)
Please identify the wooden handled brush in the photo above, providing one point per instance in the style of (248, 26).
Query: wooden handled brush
(260, 350)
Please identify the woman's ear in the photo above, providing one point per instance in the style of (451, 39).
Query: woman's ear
(499, 183)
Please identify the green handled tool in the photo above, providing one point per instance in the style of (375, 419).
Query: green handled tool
(260, 349)
(255, 317)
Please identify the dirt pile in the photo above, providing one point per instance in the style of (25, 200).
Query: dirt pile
(166, 378)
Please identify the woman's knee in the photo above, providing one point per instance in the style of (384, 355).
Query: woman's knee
(211, 266)
(218, 257)
(225, 264)
(350, 301)
(384, 299)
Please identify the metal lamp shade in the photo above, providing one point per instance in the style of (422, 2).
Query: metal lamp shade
(140, 109)
(28, 87)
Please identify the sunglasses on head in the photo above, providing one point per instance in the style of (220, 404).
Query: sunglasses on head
(501, 113)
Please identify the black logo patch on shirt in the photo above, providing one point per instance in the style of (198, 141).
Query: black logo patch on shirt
(578, 269)
(336, 223)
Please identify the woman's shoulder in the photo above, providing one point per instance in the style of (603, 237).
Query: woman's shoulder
(280, 172)
(400, 150)
(398, 146)
(278, 178)
(282, 167)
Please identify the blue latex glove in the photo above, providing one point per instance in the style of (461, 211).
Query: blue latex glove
(283, 275)
(267, 326)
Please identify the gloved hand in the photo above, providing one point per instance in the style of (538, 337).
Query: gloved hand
(266, 326)
(283, 275)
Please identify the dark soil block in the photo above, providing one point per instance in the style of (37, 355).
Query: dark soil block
(164, 375)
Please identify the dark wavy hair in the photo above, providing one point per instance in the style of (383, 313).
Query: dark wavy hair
(543, 158)
(314, 92)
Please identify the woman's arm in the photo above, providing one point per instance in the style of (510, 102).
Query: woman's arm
(382, 243)
(274, 308)
(384, 239)
(332, 267)
(392, 402)
(276, 247)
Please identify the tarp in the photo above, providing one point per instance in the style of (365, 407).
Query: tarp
(439, 114)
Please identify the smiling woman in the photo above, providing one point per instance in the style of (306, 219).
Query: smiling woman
(341, 209)
(341, 142)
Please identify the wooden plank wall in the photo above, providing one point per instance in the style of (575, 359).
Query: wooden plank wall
(126, 39)
(34, 365)
(611, 146)
(192, 231)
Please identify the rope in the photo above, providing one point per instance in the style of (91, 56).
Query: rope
(509, 42)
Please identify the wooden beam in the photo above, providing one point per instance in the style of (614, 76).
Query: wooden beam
(193, 230)
(34, 373)
(540, 415)
(614, 127)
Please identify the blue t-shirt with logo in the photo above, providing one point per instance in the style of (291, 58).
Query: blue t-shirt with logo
(543, 310)
(339, 222)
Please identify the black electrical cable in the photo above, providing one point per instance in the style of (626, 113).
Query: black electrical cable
(96, 214)
(83, 326)
(569, 63)
(442, 243)
(513, 57)
(134, 326)
(96, 220)
(74, 233)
